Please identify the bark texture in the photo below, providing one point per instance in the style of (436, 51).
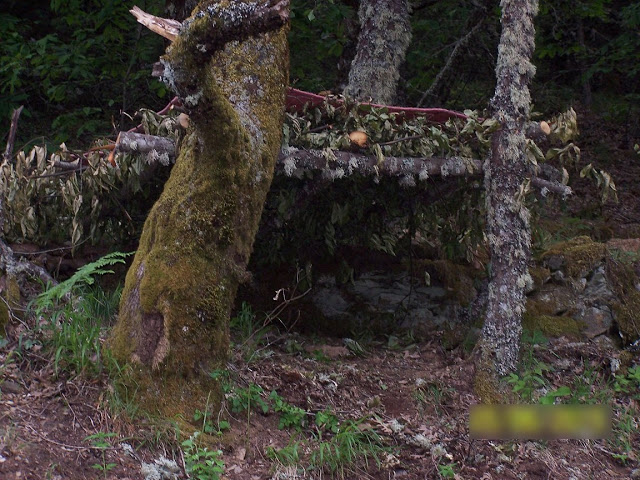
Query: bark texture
(385, 34)
(174, 312)
(508, 226)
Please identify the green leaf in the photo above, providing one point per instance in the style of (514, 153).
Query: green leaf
(84, 276)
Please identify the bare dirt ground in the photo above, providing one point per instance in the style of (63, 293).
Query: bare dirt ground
(415, 395)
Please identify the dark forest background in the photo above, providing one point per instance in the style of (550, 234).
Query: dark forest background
(82, 67)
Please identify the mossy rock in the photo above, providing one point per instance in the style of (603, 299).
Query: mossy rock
(552, 325)
(10, 298)
(621, 269)
(552, 300)
(626, 316)
(577, 257)
(540, 276)
(4, 318)
(457, 280)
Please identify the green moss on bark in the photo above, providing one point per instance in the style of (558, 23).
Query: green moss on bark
(488, 384)
(173, 324)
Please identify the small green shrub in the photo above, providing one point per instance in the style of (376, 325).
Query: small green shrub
(290, 416)
(327, 421)
(246, 399)
(629, 383)
(201, 463)
(529, 380)
(447, 471)
(100, 442)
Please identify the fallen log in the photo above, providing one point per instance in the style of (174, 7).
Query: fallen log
(336, 164)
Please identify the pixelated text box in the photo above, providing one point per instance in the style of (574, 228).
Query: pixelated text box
(503, 422)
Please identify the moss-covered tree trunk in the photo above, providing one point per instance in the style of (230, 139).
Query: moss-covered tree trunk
(229, 65)
(385, 34)
(509, 233)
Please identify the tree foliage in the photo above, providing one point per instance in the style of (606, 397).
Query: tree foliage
(76, 65)
(322, 32)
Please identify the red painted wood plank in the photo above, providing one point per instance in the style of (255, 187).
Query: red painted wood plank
(297, 99)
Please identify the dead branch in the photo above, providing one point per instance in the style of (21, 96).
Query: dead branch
(8, 151)
(6, 157)
(18, 268)
(551, 186)
(337, 164)
(173, 103)
(462, 42)
(538, 132)
(8, 264)
(156, 149)
(165, 27)
(234, 22)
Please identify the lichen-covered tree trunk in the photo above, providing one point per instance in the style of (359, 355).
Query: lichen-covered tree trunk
(508, 227)
(385, 34)
(229, 65)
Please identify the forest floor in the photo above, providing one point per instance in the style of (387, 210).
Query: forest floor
(400, 406)
(409, 401)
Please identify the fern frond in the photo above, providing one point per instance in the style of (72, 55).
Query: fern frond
(84, 276)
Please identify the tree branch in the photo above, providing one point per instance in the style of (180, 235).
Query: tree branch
(431, 91)
(551, 186)
(337, 163)
(16, 268)
(157, 149)
(164, 27)
(8, 151)
(209, 29)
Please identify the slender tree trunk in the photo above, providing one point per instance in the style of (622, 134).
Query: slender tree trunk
(508, 227)
(586, 83)
(229, 66)
(385, 34)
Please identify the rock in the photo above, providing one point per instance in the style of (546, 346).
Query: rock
(598, 320)
(554, 262)
(597, 287)
(605, 343)
(328, 298)
(555, 299)
(381, 299)
(9, 386)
